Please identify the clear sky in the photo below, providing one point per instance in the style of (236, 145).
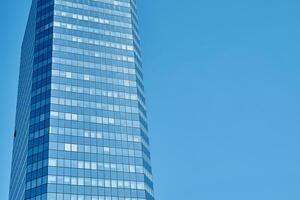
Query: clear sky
(223, 90)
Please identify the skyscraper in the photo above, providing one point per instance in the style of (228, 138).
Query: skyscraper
(81, 122)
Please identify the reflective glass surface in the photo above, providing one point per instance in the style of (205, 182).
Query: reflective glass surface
(81, 130)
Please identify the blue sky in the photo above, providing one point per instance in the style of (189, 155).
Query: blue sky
(223, 91)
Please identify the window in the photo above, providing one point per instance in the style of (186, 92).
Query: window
(51, 179)
(52, 162)
(67, 147)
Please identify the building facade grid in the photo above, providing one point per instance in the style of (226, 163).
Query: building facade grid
(81, 124)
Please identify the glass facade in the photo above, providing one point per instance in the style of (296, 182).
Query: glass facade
(81, 123)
